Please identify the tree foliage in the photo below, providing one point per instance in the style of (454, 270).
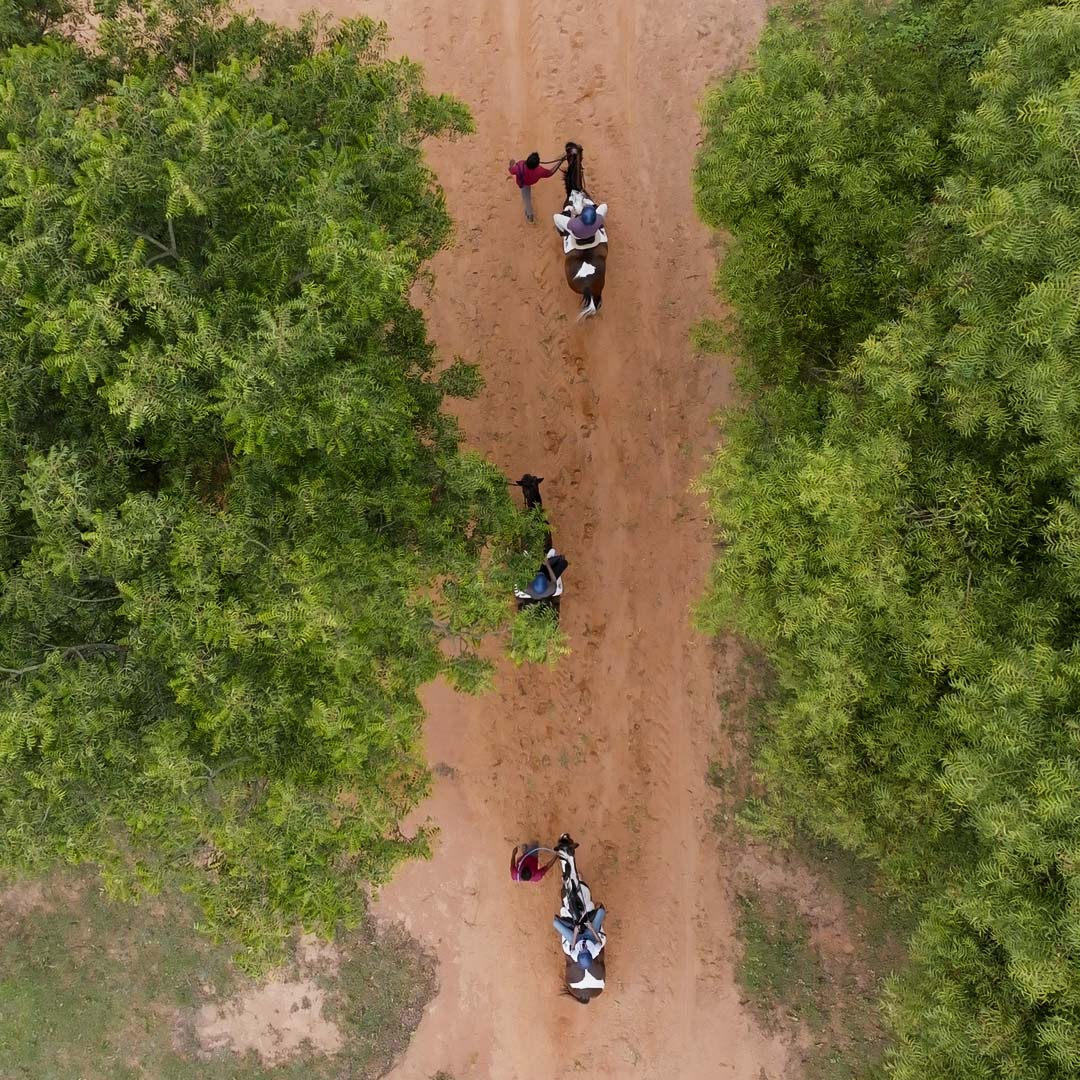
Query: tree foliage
(236, 529)
(898, 497)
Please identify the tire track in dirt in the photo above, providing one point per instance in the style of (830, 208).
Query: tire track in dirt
(612, 745)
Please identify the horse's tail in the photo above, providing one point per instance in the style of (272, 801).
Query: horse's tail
(588, 303)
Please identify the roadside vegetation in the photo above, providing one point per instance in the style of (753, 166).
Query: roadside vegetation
(97, 990)
(819, 932)
(823, 999)
(896, 493)
(237, 529)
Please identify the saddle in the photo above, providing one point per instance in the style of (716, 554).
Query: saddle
(571, 243)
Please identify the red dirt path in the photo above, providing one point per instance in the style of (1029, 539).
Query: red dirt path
(612, 745)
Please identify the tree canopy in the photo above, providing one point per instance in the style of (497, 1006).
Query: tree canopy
(237, 530)
(898, 495)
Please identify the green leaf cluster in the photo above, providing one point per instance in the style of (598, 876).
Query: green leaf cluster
(237, 530)
(897, 499)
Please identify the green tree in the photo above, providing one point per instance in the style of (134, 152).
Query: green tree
(237, 531)
(898, 497)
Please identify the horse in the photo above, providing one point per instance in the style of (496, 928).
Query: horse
(586, 971)
(549, 575)
(586, 261)
(530, 492)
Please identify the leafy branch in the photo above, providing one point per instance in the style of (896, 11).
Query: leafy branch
(67, 650)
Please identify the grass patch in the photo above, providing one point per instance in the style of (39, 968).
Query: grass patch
(779, 969)
(95, 990)
(819, 944)
(823, 989)
(880, 922)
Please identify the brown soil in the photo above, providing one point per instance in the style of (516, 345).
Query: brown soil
(26, 897)
(276, 1019)
(613, 744)
(21, 899)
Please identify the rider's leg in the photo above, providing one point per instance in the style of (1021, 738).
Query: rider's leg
(526, 198)
(593, 924)
(565, 932)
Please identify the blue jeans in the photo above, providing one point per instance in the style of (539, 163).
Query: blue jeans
(566, 931)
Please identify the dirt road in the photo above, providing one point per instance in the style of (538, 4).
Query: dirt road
(613, 745)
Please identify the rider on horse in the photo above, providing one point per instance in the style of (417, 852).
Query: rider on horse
(580, 920)
(548, 581)
(584, 229)
(585, 242)
(582, 941)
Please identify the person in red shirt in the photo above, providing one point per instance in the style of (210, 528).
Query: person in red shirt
(528, 867)
(527, 173)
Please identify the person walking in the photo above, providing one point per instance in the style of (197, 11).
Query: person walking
(528, 867)
(527, 173)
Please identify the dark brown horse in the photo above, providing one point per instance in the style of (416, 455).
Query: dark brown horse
(586, 262)
(549, 575)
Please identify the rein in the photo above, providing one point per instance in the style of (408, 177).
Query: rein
(533, 851)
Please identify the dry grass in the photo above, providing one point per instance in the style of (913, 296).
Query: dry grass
(94, 990)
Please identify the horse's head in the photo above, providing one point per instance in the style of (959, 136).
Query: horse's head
(530, 489)
(574, 178)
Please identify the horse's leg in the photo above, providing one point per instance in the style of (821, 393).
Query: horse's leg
(583, 286)
(601, 275)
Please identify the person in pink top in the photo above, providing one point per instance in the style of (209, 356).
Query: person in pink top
(526, 173)
(528, 867)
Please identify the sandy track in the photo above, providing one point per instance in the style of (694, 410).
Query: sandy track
(614, 744)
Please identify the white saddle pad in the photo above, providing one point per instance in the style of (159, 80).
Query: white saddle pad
(572, 243)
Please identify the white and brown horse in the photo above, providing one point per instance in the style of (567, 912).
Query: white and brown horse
(586, 261)
(586, 970)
